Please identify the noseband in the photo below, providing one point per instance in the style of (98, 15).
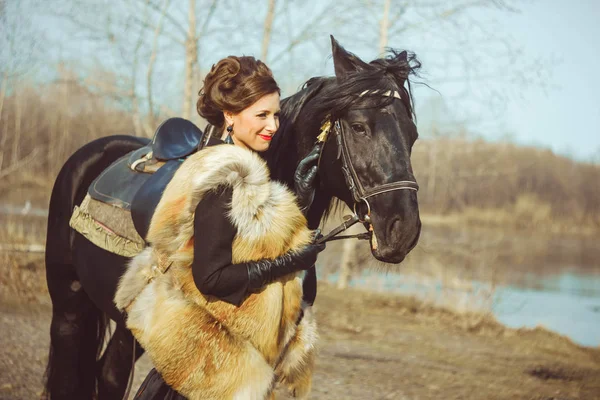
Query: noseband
(360, 194)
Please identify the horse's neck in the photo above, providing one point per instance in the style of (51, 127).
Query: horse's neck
(317, 209)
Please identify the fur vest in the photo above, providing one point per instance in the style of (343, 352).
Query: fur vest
(205, 348)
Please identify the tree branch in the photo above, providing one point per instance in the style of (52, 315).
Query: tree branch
(151, 62)
(19, 163)
(211, 12)
(444, 14)
(268, 26)
(147, 25)
(305, 34)
(176, 24)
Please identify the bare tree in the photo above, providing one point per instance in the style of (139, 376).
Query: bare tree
(268, 26)
(191, 54)
(162, 43)
(152, 61)
(348, 255)
(384, 26)
(19, 52)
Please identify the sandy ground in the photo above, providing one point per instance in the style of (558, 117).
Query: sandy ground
(372, 346)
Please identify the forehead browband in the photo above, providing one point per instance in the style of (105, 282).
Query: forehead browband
(387, 93)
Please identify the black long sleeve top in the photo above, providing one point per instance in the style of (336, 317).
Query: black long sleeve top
(212, 268)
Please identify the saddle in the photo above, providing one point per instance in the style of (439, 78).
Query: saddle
(115, 215)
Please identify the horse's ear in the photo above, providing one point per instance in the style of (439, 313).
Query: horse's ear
(345, 62)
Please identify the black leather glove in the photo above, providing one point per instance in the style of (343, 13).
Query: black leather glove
(304, 178)
(266, 271)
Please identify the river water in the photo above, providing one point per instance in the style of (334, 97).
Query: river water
(567, 303)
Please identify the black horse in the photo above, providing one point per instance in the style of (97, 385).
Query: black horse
(365, 162)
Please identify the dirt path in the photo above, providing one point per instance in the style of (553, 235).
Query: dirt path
(373, 347)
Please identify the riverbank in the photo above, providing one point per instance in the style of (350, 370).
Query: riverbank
(372, 346)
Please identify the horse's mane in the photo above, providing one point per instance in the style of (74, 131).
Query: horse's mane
(389, 73)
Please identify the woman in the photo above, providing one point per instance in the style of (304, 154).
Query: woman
(240, 98)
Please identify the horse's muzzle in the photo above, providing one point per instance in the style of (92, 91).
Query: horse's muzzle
(396, 234)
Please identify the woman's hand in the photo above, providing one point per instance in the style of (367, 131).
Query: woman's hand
(266, 271)
(304, 178)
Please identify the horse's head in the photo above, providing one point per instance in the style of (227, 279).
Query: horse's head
(371, 138)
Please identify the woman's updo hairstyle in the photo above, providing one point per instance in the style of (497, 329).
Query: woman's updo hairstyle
(233, 84)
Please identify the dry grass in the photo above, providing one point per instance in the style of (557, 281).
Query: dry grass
(528, 214)
(38, 133)
(505, 184)
(22, 274)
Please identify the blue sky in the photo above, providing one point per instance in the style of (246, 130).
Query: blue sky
(565, 118)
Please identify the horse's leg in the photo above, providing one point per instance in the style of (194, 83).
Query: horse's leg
(76, 333)
(100, 272)
(78, 326)
(116, 364)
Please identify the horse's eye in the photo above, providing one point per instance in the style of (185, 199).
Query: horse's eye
(359, 128)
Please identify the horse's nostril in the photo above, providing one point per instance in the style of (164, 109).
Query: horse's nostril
(394, 227)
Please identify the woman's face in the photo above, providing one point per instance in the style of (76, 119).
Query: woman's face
(254, 127)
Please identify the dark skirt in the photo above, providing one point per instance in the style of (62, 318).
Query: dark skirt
(155, 388)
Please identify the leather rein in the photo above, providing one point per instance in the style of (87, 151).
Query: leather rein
(360, 194)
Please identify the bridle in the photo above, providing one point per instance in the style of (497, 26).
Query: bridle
(360, 194)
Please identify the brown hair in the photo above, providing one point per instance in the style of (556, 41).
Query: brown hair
(233, 84)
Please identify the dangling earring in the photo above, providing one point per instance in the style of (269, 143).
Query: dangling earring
(229, 139)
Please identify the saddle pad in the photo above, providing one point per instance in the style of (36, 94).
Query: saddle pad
(118, 184)
(108, 227)
(124, 201)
